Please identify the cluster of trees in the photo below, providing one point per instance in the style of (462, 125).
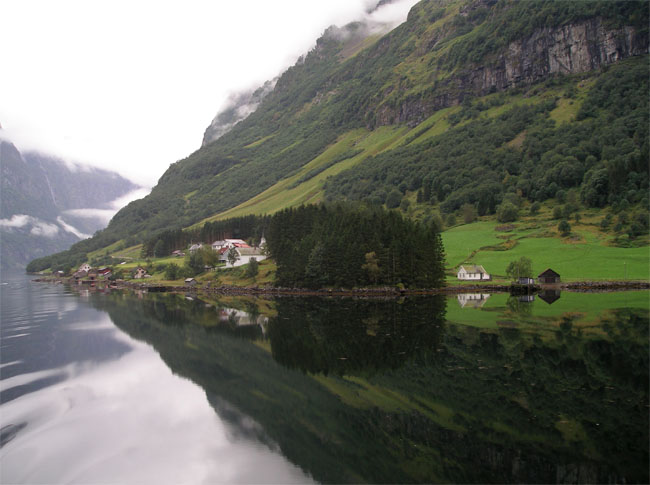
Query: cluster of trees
(342, 245)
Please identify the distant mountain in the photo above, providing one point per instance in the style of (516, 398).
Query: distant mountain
(46, 204)
(478, 104)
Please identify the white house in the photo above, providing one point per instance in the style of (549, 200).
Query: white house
(217, 245)
(85, 267)
(140, 272)
(473, 272)
(472, 300)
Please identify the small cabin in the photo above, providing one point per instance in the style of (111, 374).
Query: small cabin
(548, 277)
(473, 272)
(190, 282)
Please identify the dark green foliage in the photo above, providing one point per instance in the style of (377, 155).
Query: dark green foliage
(316, 246)
(564, 227)
(333, 338)
(605, 155)
(59, 261)
(507, 212)
(253, 268)
(232, 256)
(172, 271)
(158, 249)
(393, 199)
(523, 267)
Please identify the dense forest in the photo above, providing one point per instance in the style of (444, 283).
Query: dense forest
(604, 155)
(344, 246)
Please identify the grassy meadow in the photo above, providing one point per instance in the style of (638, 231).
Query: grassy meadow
(587, 254)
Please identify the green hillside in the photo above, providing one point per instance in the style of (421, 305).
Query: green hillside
(436, 118)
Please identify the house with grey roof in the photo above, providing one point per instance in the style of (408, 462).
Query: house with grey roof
(473, 272)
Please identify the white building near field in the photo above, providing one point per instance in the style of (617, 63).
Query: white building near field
(473, 272)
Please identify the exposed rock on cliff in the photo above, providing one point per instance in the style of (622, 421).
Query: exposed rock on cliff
(569, 49)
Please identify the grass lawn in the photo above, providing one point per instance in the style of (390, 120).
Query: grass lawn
(585, 258)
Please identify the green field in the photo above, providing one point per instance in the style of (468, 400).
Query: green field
(585, 256)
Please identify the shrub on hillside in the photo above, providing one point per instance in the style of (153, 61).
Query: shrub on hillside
(507, 212)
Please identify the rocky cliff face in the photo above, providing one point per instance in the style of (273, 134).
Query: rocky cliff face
(568, 49)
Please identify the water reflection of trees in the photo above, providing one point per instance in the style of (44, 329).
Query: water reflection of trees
(320, 335)
(487, 406)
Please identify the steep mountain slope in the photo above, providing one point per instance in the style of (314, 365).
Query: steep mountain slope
(372, 109)
(46, 205)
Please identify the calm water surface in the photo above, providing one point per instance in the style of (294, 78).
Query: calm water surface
(124, 388)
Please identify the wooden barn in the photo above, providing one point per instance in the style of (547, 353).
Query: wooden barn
(548, 277)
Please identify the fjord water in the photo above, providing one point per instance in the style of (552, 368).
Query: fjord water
(148, 388)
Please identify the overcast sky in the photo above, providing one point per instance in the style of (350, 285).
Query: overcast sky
(132, 85)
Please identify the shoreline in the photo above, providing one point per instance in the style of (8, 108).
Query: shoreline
(576, 286)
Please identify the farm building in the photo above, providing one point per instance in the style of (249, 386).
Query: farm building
(549, 276)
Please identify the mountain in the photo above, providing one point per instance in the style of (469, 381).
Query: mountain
(47, 205)
(481, 103)
(237, 108)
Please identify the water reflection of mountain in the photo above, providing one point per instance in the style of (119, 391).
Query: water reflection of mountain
(485, 406)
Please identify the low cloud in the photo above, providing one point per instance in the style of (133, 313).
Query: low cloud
(71, 229)
(392, 14)
(16, 221)
(102, 215)
(44, 229)
(136, 194)
(38, 227)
